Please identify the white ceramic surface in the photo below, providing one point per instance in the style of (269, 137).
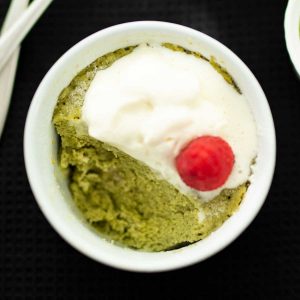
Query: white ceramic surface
(292, 32)
(50, 188)
(15, 34)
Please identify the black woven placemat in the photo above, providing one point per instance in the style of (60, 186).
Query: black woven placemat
(263, 263)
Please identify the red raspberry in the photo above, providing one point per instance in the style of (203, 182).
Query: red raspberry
(205, 163)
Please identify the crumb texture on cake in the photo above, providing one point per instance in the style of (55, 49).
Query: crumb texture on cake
(122, 197)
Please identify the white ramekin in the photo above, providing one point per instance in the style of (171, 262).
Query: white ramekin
(50, 187)
(292, 34)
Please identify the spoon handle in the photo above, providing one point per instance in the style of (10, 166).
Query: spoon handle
(7, 75)
(12, 38)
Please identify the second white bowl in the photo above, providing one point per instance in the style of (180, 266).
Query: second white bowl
(292, 32)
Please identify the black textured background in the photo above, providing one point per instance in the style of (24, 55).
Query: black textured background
(263, 263)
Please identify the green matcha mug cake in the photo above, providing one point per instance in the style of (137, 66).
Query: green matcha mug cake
(156, 146)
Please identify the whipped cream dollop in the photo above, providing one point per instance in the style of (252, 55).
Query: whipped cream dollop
(153, 101)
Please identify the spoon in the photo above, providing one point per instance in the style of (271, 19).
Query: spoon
(7, 75)
(16, 33)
